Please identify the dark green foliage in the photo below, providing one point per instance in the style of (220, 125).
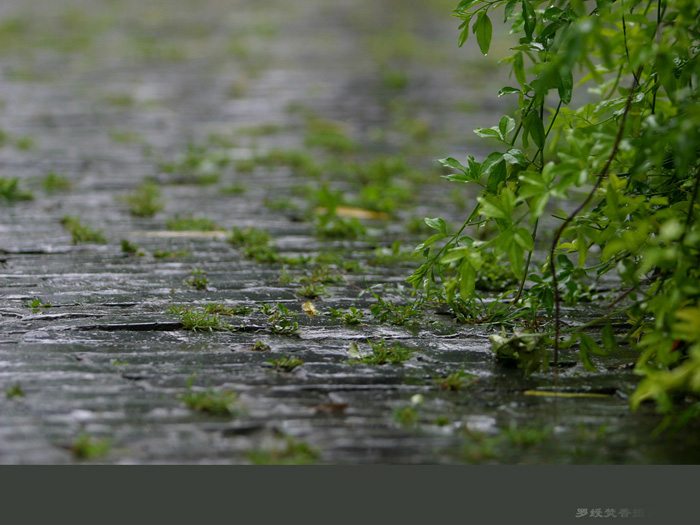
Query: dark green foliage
(624, 160)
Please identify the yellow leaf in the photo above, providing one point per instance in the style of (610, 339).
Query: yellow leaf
(562, 394)
(357, 213)
(309, 309)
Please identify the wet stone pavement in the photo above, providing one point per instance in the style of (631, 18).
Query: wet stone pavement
(256, 116)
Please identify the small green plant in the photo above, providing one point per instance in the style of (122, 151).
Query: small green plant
(285, 364)
(442, 421)
(313, 290)
(332, 226)
(383, 256)
(14, 391)
(259, 346)
(189, 223)
(200, 164)
(210, 401)
(54, 182)
(383, 353)
(456, 380)
(394, 79)
(198, 320)
(280, 319)
(235, 188)
(621, 158)
(250, 236)
(35, 304)
(82, 232)
(225, 309)
(86, 446)
(351, 316)
(145, 201)
(330, 136)
(131, 248)
(479, 447)
(526, 436)
(406, 415)
(25, 143)
(396, 314)
(257, 244)
(10, 190)
(294, 452)
(168, 254)
(524, 350)
(198, 279)
(300, 162)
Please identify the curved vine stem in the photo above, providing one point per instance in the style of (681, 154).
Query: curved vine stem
(567, 221)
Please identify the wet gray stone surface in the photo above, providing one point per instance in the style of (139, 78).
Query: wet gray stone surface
(107, 92)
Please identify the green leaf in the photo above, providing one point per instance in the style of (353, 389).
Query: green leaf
(609, 340)
(585, 352)
(566, 86)
(519, 69)
(535, 128)
(496, 176)
(529, 18)
(505, 126)
(491, 206)
(483, 30)
(515, 156)
(467, 282)
(524, 239)
(490, 162)
(464, 4)
(437, 224)
(509, 9)
(516, 256)
(509, 91)
(455, 254)
(449, 162)
(488, 133)
(430, 240)
(591, 346)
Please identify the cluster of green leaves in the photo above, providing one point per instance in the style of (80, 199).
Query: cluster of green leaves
(456, 380)
(198, 279)
(314, 282)
(190, 223)
(10, 190)
(82, 232)
(294, 452)
(257, 244)
(388, 311)
(210, 401)
(86, 446)
(145, 201)
(200, 164)
(199, 320)
(351, 316)
(285, 364)
(626, 158)
(383, 353)
(281, 319)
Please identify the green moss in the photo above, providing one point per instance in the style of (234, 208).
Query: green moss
(145, 201)
(82, 233)
(292, 453)
(218, 403)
